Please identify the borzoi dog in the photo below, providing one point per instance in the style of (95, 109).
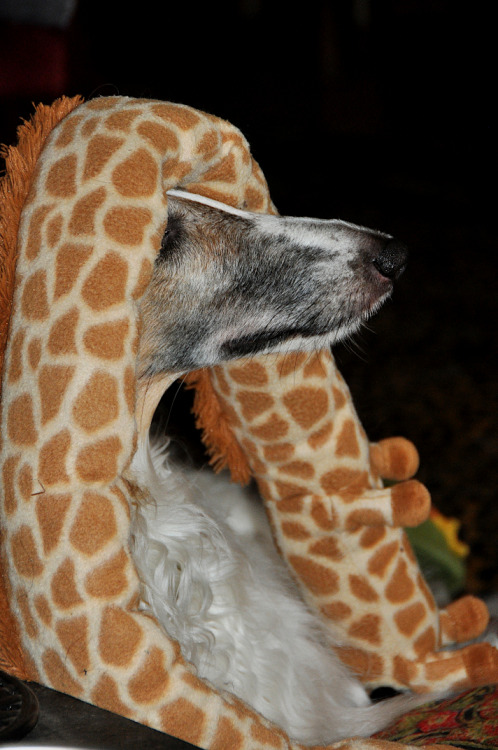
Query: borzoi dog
(228, 284)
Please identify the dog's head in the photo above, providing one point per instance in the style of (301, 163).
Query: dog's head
(229, 284)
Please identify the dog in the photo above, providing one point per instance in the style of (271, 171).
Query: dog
(228, 284)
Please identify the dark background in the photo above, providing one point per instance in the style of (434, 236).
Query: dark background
(375, 111)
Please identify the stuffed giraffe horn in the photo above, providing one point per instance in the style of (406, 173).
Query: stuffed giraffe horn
(83, 208)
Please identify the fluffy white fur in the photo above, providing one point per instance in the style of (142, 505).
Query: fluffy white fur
(213, 579)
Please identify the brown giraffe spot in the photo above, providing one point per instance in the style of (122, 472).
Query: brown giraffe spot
(102, 103)
(54, 230)
(339, 398)
(400, 587)
(25, 482)
(160, 137)
(370, 537)
(255, 199)
(321, 436)
(363, 517)
(223, 171)
(336, 611)
(51, 512)
(409, 618)
(20, 421)
(94, 525)
(380, 560)
(227, 737)
(150, 681)
(98, 403)
(129, 389)
(127, 224)
(106, 695)
(24, 553)
(73, 636)
(209, 143)
(306, 405)
(66, 130)
(9, 492)
(404, 670)
(34, 300)
(314, 367)
(98, 462)
(122, 120)
(89, 127)
(82, 221)
(347, 441)
(269, 736)
(250, 448)
(287, 490)
(29, 621)
(119, 637)
(250, 373)
(99, 150)
(341, 479)
(289, 504)
(254, 403)
(229, 413)
(58, 676)
(62, 334)
(105, 285)
(290, 363)
(34, 240)
(16, 365)
(221, 380)
(317, 578)
(427, 593)
(426, 643)
(278, 452)
(144, 277)
(367, 628)
(52, 461)
(44, 610)
(365, 663)
(328, 547)
(182, 719)
(323, 514)
(34, 353)
(70, 259)
(274, 428)
(137, 175)
(63, 587)
(173, 171)
(107, 340)
(109, 579)
(61, 179)
(294, 530)
(361, 588)
(183, 117)
(300, 469)
(53, 382)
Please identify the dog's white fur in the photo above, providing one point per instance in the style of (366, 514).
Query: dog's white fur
(214, 580)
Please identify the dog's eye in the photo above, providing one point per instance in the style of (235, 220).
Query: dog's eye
(171, 237)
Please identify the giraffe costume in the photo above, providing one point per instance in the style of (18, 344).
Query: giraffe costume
(83, 209)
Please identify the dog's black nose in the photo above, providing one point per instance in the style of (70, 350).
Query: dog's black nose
(391, 260)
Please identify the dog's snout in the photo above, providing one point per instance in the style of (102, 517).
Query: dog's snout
(391, 260)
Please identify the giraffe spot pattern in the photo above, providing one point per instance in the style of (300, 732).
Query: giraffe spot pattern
(62, 339)
(347, 441)
(63, 587)
(24, 553)
(320, 436)
(94, 525)
(294, 530)
(159, 136)
(274, 428)
(371, 537)
(336, 611)
(409, 618)
(109, 579)
(183, 719)
(52, 460)
(61, 179)
(404, 671)
(59, 677)
(29, 621)
(43, 610)
(122, 120)
(327, 547)
(16, 357)
(126, 225)
(73, 635)
(279, 452)
(107, 340)
(67, 129)
(364, 517)
(54, 230)
(119, 637)
(106, 695)
(227, 736)
(137, 175)
(367, 628)
(426, 643)
(249, 374)
(314, 367)
(98, 462)
(97, 405)
(182, 117)
(105, 285)
(268, 736)
(20, 421)
(401, 586)
(150, 681)
(362, 661)
(36, 223)
(82, 221)
(8, 476)
(306, 405)
(25, 482)
(382, 558)
(301, 469)
(317, 578)
(70, 259)
(254, 403)
(323, 514)
(290, 364)
(34, 301)
(100, 149)
(53, 381)
(361, 588)
(51, 510)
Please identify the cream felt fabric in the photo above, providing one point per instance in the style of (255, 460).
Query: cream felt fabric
(83, 210)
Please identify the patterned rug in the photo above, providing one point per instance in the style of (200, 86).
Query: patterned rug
(468, 721)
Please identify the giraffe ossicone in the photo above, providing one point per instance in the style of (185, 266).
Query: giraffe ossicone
(83, 208)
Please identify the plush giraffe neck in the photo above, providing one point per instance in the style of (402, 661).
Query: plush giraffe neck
(340, 530)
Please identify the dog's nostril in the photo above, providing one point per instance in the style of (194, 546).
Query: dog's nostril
(391, 260)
